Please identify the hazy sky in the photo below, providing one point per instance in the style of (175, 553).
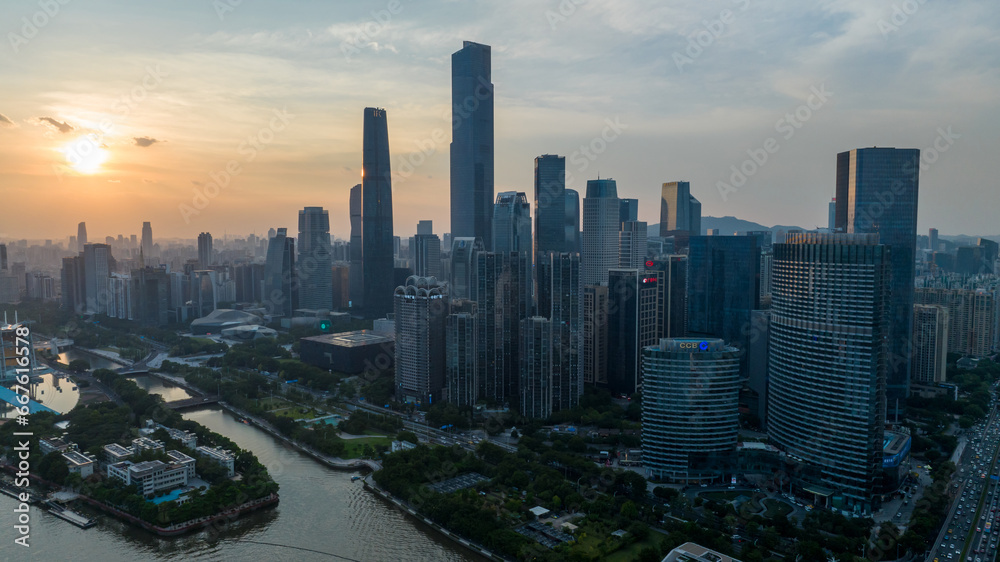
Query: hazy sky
(120, 112)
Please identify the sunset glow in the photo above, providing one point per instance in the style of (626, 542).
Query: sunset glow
(85, 155)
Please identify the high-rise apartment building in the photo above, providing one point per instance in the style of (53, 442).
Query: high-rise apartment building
(500, 306)
(595, 334)
(426, 254)
(930, 341)
(460, 354)
(421, 308)
(566, 314)
(536, 367)
(357, 274)
(205, 258)
(463, 267)
(632, 244)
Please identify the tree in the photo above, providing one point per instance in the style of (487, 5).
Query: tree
(649, 554)
(79, 365)
(629, 510)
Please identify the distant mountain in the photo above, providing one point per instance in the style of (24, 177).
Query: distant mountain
(729, 225)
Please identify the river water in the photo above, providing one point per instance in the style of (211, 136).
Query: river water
(322, 516)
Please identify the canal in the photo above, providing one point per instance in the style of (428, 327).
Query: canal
(322, 516)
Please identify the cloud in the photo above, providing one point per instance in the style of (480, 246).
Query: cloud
(5, 121)
(61, 127)
(114, 181)
(145, 141)
(148, 181)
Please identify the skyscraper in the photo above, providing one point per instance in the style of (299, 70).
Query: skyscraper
(679, 210)
(472, 143)
(932, 239)
(204, 250)
(690, 410)
(501, 304)
(536, 367)
(633, 323)
(460, 355)
(463, 267)
(930, 341)
(377, 216)
(357, 281)
(629, 210)
(421, 308)
(828, 347)
(601, 211)
(632, 244)
(595, 334)
(81, 236)
(832, 215)
(426, 253)
(425, 227)
(147, 242)
(315, 259)
(550, 205)
(877, 193)
(98, 264)
(673, 294)
(512, 230)
(281, 288)
(566, 314)
(572, 221)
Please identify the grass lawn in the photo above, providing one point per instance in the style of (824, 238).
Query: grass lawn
(632, 551)
(355, 447)
(295, 412)
(775, 508)
(274, 403)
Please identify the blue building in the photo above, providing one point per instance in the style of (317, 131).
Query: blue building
(472, 143)
(377, 239)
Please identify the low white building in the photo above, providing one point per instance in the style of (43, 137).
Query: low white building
(54, 444)
(150, 476)
(115, 453)
(140, 444)
(221, 456)
(188, 439)
(79, 463)
(177, 457)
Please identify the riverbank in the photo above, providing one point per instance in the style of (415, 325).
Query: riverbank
(406, 508)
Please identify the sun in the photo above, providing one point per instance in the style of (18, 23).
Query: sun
(85, 154)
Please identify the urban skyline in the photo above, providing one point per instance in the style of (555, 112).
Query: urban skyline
(157, 156)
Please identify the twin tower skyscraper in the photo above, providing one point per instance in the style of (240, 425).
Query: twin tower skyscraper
(471, 181)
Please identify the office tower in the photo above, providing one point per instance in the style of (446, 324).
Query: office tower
(595, 334)
(679, 210)
(463, 267)
(81, 236)
(632, 245)
(601, 210)
(38, 286)
(930, 341)
(828, 358)
(341, 285)
(421, 308)
(976, 260)
(512, 230)
(972, 317)
(500, 306)
(120, 297)
(756, 361)
(566, 313)
(690, 413)
(271, 233)
(377, 216)
(629, 210)
(249, 278)
(426, 255)
(73, 285)
(97, 267)
(204, 292)
(472, 143)
(932, 239)
(673, 286)
(147, 242)
(72, 244)
(151, 295)
(536, 367)
(425, 227)
(205, 250)
(877, 193)
(550, 205)
(572, 221)
(315, 259)
(633, 323)
(357, 283)
(832, 215)
(512, 223)
(723, 286)
(281, 286)
(460, 355)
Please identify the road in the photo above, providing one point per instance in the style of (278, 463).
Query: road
(971, 528)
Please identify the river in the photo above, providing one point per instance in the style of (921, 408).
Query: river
(321, 511)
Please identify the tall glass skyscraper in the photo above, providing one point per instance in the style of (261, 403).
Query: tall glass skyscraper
(690, 410)
(357, 275)
(281, 288)
(501, 304)
(828, 344)
(877, 192)
(472, 143)
(315, 259)
(679, 211)
(377, 239)
(550, 205)
(512, 230)
(601, 211)
(566, 314)
(81, 236)
(204, 250)
(572, 224)
(147, 242)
